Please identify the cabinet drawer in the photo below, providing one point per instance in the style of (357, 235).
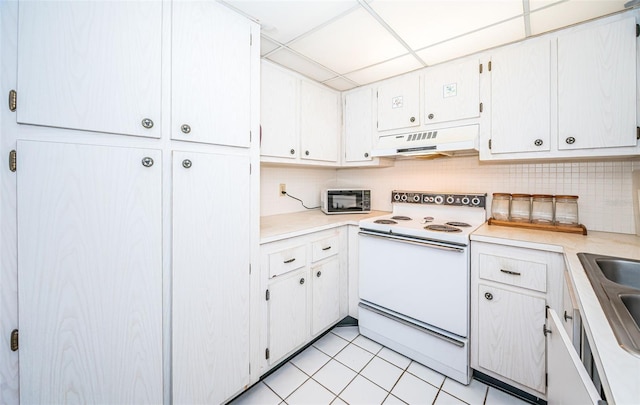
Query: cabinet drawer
(324, 248)
(287, 260)
(516, 272)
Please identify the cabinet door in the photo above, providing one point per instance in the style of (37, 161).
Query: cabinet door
(211, 74)
(399, 103)
(358, 126)
(90, 271)
(569, 382)
(326, 295)
(510, 338)
(520, 98)
(90, 65)
(211, 257)
(597, 86)
(452, 92)
(279, 107)
(287, 307)
(319, 123)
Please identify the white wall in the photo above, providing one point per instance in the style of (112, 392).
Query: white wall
(604, 187)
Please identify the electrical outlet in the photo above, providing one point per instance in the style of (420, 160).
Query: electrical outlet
(283, 189)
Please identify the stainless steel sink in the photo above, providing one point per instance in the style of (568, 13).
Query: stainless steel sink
(616, 282)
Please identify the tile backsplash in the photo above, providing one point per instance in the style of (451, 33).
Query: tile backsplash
(604, 187)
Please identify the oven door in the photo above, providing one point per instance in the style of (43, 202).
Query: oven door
(426, 281)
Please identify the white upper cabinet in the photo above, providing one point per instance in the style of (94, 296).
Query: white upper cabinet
(520, 98)
(211, 74)
(399, 103)
(91, 65)
(597, 86)
(452, 92)
(319, 122)
(279, 106)
(358, 125)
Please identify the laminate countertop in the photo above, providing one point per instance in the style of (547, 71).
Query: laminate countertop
(283, 226)
(619, 370)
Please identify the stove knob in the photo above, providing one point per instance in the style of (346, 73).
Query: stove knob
(465, 200)
(450, 200)
(416, 198)
(475, 201)
(438, 199)
(404, 197)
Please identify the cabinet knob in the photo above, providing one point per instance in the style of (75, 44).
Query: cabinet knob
(570, 140)
(319, 273)
(430, 116)
(306, 152)
(366, 154)
(186, 163)
(488, 296)
(292, 151)
(147, 162)
(185, 128)
(412, 119)
(147, 123)
(538, 142)
(301, 281)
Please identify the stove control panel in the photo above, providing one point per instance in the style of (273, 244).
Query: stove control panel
(461, 200)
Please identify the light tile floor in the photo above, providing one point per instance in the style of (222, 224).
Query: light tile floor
(345, 367)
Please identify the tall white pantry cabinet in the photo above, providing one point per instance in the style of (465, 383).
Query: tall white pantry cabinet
(131, 226)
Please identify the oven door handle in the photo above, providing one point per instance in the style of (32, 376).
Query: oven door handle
(410, 241)
(412, 325)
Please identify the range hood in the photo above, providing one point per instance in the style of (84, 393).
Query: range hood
(458, 141)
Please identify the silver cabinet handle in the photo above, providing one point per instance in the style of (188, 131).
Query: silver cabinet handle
(306, 152)
(326, 248)
(301, 281)
(292, 151)
(186, 163)
(319, 273)
(412, 119)
(147, 161)
(366, 154)
(488, 296)
(570, 140)
(290, 261)
(430, 116)
(147, 123)
(513, 273)
(185, 128)
(538, 142)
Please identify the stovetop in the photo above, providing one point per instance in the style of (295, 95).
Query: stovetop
(434, 216)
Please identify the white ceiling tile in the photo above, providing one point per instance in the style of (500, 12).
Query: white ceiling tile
(572, 12)
(286, 20)
(354, 41)
(536, 4)
(497, 35)
(267, 46)
(340, 84)
(423, 23)
(385, 70)
(301, 65)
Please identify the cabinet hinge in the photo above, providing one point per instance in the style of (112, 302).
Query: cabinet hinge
(250, 136)
(249, 168)
(546, 311)
(489, 143)
(249, 268)
(637, 30)
(266, 353)
(14, 340)
(637, 132)
(545, 331)
(481, 68)
(546, 379)
(13, 100)
(267, 295)
(481, 107)
(250, 39)
(13, 160)
(489, 66)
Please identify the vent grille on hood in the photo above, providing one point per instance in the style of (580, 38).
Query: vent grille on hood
(448, 141)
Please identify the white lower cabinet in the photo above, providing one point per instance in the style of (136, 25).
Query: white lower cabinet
(304, 281)
(510, 290)
(90, 273)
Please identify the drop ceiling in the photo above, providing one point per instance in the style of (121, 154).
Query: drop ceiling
(350, 43)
